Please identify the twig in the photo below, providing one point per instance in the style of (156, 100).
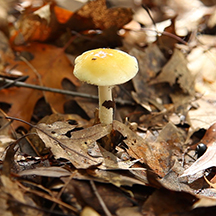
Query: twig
(63, 189)
(9, 84)
(19, 203)
(60, 91)
(160, 33)
(150, 16)
(103, 205)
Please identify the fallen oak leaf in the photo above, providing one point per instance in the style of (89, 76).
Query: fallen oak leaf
(47, 63)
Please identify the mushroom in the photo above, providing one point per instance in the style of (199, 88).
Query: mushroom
(105, 68)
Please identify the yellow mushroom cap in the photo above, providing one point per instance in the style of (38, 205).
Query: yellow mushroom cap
(105, 67)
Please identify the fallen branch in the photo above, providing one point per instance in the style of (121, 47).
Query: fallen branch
(9, 83)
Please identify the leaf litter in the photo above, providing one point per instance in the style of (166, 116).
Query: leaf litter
(58, 164)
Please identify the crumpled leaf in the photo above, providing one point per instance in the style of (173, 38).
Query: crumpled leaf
(80, 147)
(208, 159)
(75, 148)
(50, 21)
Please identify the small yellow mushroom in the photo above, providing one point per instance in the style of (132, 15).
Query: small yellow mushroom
(105, 68)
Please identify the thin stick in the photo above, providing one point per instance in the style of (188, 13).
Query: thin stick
(103, 205)
(61, 91)
(161, 33)
(34, 71)
(63, 189)
(48, 197)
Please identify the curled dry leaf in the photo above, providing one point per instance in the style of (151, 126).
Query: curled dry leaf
(46, 171)
(208, 159)
(50, 21)
(108, 176)
(96, 15)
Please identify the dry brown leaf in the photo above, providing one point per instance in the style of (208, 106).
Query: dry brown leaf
(202, 116)
(151, 62)
(14, 192)
(13, 189)
(168, 143)
(80, 147)
(37, 25)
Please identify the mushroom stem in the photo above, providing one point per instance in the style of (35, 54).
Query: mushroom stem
(105, 114)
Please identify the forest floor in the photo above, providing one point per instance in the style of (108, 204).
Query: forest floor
(158, 157)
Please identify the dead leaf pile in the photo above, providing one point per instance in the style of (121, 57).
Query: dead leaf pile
(54, 155)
